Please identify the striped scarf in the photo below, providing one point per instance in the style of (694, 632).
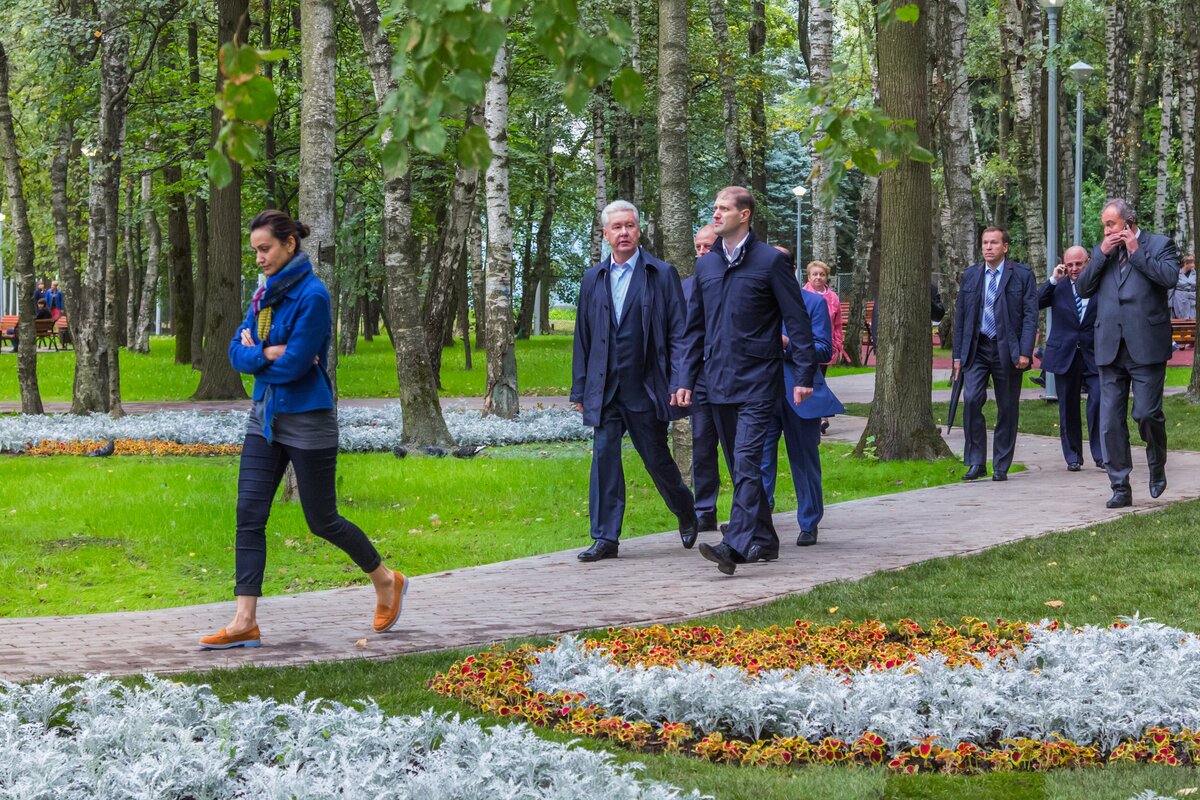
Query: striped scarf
(267, 296)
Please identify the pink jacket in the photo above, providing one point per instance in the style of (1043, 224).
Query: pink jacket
(835, 318)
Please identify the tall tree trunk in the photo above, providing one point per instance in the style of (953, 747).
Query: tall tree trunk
(1137, 107)
(757, 40)
(860, 285)
(179, 263)
(901, 422)
(735, 156)
(1021, 38)
(535, 281)
(223, 306)
(1163, 166)
(318, 145)
(145, 316)
(31, 397)
(1004, 146)
(600, 164)
(501, 397)
(1189, 72)
(129, 289)
(977, 157)
(453, 243)
(1118, 145)
(639, 150)
(820, 71)
(200, 295)
(462, 291)
(423, 422)
(68, 271)
(478, 278)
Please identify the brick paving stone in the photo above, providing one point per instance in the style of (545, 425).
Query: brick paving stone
(654, 580)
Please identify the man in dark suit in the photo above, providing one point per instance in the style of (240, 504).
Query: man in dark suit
(994, 330)
(1127, 279)
(706, 474)
(745, 291)
(627, 333)
(800, 425)
(1070, 354)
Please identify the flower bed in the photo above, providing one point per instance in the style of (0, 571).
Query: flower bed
(361, 429)
(96, 738)
(967, 699)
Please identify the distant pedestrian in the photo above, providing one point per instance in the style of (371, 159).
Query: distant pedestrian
(1183, 296)
(818, 283)
(284, 344)
(54, 300)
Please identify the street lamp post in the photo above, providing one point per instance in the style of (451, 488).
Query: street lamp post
(1080, 72)
(1053, 7)
(799, 191)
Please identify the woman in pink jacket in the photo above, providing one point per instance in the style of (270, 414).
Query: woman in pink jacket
(818, 283)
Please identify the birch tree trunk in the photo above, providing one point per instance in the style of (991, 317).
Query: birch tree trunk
(59, 209)
(200, 295)
(1021, 37)
(129, 289)
(639, 149)
(478, 277)
(901, 421)
(145, 316)
(1137, 107)
(1163, 167)
(423, 423)
(757, 40)
(735, 156)
(820, 70)
(31, 397)
(179, 264)
(600, 163)
(1117, 146)
(223, 282)
(501, 397)
(1187, 71)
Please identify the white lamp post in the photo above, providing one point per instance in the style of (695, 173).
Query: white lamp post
(1053, 8)
(1080, 72)
(799, 191)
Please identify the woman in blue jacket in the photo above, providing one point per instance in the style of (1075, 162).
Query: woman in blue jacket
(284, 344)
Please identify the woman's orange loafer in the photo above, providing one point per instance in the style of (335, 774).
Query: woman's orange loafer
(386, 616)
(221, 640)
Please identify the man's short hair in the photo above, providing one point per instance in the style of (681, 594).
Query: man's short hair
(1189, 260)
(1122, 207)
(618, 205)
(741, 197)
(1004, 237)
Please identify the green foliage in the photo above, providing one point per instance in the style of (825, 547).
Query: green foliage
(247, 101)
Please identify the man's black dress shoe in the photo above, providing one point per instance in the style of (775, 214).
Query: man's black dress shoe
(687, 531)
(1038, 380)
(1121, 498)
(975, 472)
(757, 552)
(1100, 464)
(807, 538)
(723, 528)
(1000, 476)
(722, 555)
(1074, 467)
(706, 522)
(1158, 481)
(600, 548)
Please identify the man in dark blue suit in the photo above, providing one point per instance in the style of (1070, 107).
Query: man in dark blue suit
(745, 291)
(801, 429)
(1070, 354)
(994, 331)
(628, 332)
(706, 474)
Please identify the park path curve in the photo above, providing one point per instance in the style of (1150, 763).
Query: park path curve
(654, 580)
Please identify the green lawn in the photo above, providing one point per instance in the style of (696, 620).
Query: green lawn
(543, 368)
(1176, 376)
(131, 532)
(1137, 563)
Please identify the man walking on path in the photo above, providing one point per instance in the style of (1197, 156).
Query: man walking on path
(744, 292)
(706, 474)
(994, 330)
(1127, 279)
(627, 337)
(1070, 354)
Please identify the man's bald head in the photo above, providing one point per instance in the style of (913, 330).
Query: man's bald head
(1075, 259)
(706, 237)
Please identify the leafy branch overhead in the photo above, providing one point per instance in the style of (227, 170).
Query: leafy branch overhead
(443, 61)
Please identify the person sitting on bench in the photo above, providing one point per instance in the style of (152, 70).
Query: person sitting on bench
(14, 333)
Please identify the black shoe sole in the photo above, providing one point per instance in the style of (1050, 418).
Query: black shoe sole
(688, 542)
(726, 567)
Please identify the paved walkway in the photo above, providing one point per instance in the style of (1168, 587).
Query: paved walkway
(654, 580)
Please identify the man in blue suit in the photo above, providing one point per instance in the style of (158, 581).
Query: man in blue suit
(745, 291)
(994, 331)
(628, 332)
(1070, 354)
(801, 428)
(706, 474)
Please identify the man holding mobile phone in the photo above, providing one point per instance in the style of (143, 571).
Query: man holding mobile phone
(1128, 278)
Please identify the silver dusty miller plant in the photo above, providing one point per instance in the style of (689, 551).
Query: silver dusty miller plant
(97, 739)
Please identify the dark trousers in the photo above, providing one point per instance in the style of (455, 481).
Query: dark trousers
(1147, 381)
(742, 428)
(606, 490)
(1006, 382)
(802, 437)
(1070, 425)
(262, 468)
(706, 474)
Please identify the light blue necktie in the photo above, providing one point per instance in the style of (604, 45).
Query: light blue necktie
(1078, 302)
(987, 325)
(621, 273)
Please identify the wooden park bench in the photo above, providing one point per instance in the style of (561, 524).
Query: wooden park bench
(1183, 332)
(866, 340)
(48, 332)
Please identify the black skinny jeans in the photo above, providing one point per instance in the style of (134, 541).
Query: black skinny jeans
(262, 469)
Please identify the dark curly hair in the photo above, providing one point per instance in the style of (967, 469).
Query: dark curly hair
(281, 225)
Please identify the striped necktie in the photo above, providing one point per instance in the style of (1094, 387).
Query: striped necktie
(987, 325)
(1078, 302)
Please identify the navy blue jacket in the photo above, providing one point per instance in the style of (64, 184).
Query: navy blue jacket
(734, 319)
(823, 402)
(1016, 312)
(1067, 333)
(662, 336)
(293, 382)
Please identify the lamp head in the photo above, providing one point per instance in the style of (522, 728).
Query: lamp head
(1052, 5)
(1081, 71)
(799, 191)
